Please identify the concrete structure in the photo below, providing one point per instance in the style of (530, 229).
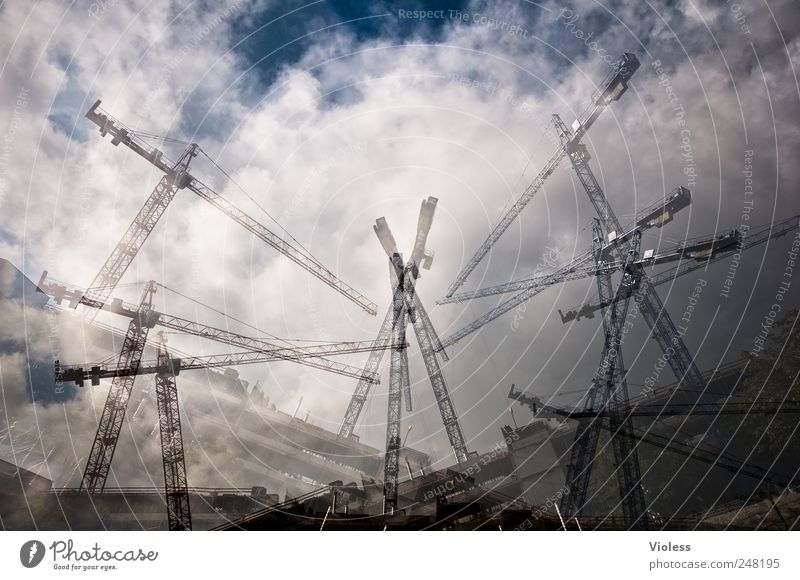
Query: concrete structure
(539, 452)
(27, 501)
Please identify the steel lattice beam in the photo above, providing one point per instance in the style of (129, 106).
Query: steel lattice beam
(398, 379)
(140, 228)
(746, 240)
(610, 89)
(450, 421)
(695, 409)
(80, 373)
(691, 255)
(61, 292)
(587, 434)
(610, 388)
(176, 488)
(128, 137)
(107, 436)
(427, 337)
(361, 392)
(647, 299)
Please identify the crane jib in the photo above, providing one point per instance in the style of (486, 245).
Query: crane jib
(611, 89)
(178, 177)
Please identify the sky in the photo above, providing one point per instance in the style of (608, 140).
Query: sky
(328, 115)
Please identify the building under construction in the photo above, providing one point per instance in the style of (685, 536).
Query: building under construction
(600, 464)
(284, 472)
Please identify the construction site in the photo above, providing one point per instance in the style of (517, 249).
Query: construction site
(685, 452)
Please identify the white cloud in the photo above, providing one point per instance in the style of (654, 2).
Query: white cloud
(409, 124)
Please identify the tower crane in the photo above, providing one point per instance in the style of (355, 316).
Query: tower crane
(404, 276)
(663, 329)
(406, 306)
(610, 89)
(142, 318)
(580, 267)
(422, 258)
(177, 177)
(427, 336)
(648, 301)
(691, 255)
(110, 426)
(609, 387)
(81, 373)
(165, 369)
(697, 253)
(653, 311)
(73, 296)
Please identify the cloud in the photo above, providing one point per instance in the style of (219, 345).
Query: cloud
(355, 129)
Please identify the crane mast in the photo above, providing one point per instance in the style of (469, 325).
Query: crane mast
(134, 237)
(176, 487)
(426, 334)
(361, 392)
(616, 386)
(608, 388)
(108, 430)
(587, 433)
(695, 409)
(398, 383)
(446, 409)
